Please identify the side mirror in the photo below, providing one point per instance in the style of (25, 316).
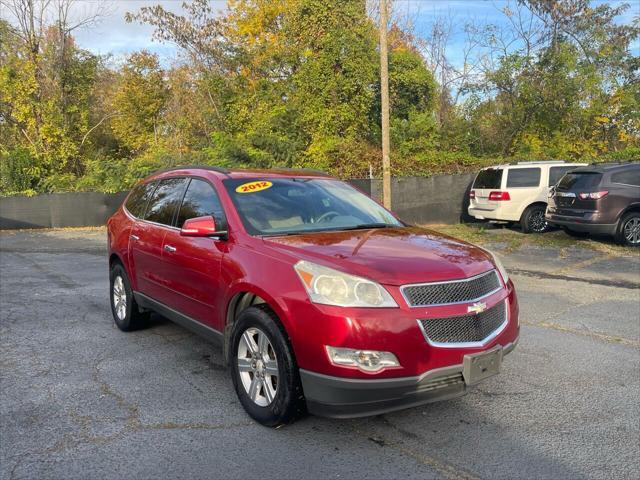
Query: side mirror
(201, 227)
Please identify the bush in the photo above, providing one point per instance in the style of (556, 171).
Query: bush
(104, 175)
(627, 154)
(19, 173)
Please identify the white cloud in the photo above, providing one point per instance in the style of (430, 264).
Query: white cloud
(113, 35)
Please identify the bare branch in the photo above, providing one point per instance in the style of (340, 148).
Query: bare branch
(86, 135)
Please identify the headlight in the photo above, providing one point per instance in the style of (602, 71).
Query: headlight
(332, 287)
(499, 266)
(366, 360)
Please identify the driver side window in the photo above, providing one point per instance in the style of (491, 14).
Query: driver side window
(200, 200)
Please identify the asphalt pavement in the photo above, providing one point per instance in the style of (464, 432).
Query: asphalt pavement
(80, 399)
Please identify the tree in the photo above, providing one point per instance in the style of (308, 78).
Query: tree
(139, 101)
(551, 85)
(45, 82)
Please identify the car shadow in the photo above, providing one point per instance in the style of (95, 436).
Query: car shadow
(513, 227)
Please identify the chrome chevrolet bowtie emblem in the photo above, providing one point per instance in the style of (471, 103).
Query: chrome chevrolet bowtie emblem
(477, 308)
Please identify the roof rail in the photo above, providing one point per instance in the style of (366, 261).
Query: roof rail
(199, 167)
(613, 164)
(540, 162)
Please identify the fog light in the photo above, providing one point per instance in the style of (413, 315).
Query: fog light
(365, 360)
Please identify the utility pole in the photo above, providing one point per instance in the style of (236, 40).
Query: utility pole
(384, 94)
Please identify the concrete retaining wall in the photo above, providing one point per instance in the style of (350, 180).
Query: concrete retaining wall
(439, 199)
(58, 210)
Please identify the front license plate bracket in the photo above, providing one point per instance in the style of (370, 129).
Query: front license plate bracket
(478, 366)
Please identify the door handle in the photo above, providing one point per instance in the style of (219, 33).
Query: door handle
(134, 237)
(170, 248)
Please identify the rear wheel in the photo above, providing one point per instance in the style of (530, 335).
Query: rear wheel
(263, 369)
(575, 233)
(629, 230)
(533, 220)
(123, 305)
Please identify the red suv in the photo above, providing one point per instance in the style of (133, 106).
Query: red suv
(322, 299)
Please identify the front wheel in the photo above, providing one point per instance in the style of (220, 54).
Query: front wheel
(629, 230)
(533, 220)
(263, 369)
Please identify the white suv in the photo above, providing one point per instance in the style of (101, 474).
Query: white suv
(516, 193)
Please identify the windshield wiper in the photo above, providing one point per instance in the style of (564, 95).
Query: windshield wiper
(366, 226)
(362, 226)
(286, 234)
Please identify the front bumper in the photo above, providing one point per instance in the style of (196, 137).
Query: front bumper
(338, 397)
(580, 224)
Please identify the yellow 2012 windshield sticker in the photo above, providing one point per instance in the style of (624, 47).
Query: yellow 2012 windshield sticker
(253, 187)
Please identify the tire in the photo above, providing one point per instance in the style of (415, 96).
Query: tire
(272, 399)
(533, 220)
(124, 308)
(628, 232)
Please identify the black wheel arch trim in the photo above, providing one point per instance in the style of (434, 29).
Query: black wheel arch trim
(632, 207)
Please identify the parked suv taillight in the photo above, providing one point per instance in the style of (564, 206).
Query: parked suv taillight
(499, 196)
(593, 195)
(472, 194)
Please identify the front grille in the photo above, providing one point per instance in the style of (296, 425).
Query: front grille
(440, 293)
(466, 328)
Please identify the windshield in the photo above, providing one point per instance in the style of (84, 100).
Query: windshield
(488, 178)
(287, 206)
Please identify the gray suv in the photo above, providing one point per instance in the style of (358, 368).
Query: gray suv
(599, 199)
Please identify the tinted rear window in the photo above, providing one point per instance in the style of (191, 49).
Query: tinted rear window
(523, 177)
(579, 180)
(165, 200)
(137, 201)
(489, 178)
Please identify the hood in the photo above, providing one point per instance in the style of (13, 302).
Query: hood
(393, 256)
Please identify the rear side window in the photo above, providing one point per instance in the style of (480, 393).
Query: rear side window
(627, 177)
(556, 173)
(579, 180)
(165, 200)
(199, 201)
(489, 178)
(523, 177)
(137, 201)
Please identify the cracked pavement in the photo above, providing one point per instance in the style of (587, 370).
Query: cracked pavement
(80, 399)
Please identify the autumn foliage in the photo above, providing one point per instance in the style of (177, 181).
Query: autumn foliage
(295, 83)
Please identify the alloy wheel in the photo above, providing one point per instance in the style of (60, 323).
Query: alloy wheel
(631, 231)
(258, 366)
(119, 298)
(538, 222)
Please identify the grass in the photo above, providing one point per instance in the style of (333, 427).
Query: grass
(479, 233)
(514, 239)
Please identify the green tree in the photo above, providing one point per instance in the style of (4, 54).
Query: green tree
(45, 104)
(139, 102)
(572, 96)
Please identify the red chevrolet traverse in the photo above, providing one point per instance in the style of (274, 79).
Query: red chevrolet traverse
(322, 300)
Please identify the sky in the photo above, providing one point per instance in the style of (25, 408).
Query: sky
(114, 35)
